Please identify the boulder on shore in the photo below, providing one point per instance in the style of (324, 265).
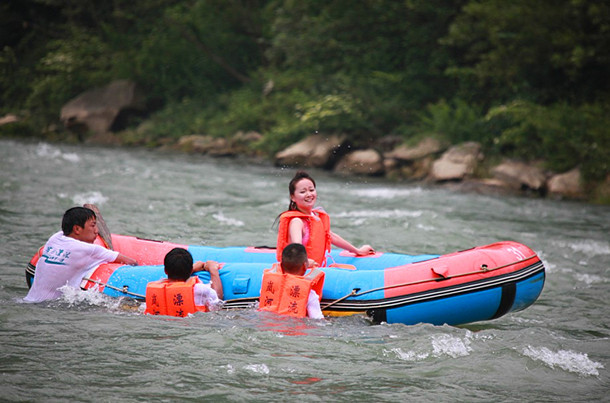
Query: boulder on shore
(520, 176)
(361, 162)
(457, 163)
(197, 143)
(421, 150)
(568, 184)
(314, 151)
(219, 146)
(101, 110)
(10, 118)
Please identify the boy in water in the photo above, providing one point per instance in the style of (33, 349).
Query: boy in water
(69, 254)
(182, 294)
(291, 292)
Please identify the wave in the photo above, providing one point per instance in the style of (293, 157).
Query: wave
(85, 299)
(378, 214)
(233, 222)
(590, 247)
(93, 197)
(571, 361)
(47, 151)
(385, 193)
(440, 345)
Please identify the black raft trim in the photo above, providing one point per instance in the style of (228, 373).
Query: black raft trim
(509, 279)
(506, 301)
(378, 315)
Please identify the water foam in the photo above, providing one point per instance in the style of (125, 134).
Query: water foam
(441, 345)
(94, 197)
(395, 213)
(233, 222)
(590, 247)
(450, 345)
(409, 355)
(47, 151)
(385, 193)
(258, 368)
(75, 296)
(589, 279)
(568, 360)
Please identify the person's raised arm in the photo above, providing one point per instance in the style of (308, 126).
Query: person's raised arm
(125, 259)
(211, 267)
(339, 242)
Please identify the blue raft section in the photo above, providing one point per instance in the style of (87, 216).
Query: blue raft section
(472, 301)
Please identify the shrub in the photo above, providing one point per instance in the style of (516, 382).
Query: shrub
(564, 136)
(456, 121)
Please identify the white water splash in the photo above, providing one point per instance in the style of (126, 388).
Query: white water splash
(71, 157)
(385, 193)
(441, 345)
(94, 197)
(47, 151)
(221, 218)
(590, 247)
(568, 360)
(408, 355)
(395, 213)
(258, 368)
(450, 345)
(589, 279)
(75, 296)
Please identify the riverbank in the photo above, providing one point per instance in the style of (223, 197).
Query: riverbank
(430, 162)
(461, 167)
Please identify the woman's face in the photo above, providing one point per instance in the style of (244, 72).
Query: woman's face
(304, 195)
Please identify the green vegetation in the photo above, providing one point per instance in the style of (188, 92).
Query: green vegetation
(525, 78)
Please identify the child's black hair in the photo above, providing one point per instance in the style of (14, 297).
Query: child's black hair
(178, 264)
(294, 256)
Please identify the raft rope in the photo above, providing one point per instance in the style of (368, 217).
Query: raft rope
(355, 292)
(483, 269)
(124, 290)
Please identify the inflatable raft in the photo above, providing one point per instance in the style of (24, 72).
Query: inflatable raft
(477, 284)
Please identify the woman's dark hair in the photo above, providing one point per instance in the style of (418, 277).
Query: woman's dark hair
(292, 206)
(178, 264)
(293, 184)
(75, 216)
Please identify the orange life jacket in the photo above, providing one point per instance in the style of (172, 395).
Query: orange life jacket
(287, 294)
(319, 234)
(173, 298)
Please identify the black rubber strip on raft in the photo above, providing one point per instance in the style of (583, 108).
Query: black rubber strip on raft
(510, 280)
(506, 301)
(378, 315)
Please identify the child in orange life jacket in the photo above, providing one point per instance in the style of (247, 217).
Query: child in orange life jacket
(287, 290)
(182, 294)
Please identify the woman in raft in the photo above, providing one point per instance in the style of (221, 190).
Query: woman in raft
(309, 225)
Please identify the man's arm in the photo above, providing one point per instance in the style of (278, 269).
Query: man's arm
(125, 259)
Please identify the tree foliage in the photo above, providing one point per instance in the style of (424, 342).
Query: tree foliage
(525, 78)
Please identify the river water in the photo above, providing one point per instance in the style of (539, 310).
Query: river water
(89, 347)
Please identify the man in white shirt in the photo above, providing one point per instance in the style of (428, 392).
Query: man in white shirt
(69, 254)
